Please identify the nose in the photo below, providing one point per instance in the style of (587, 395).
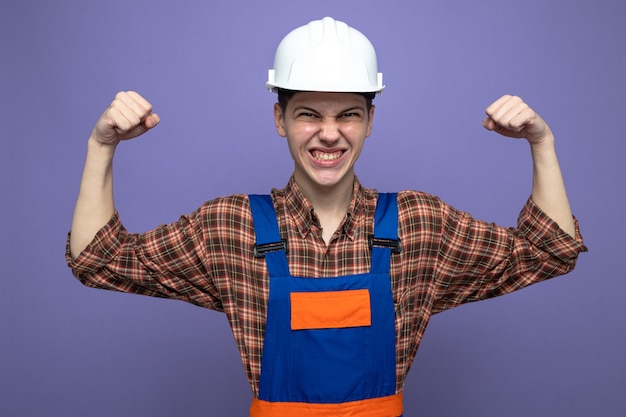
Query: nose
(329, 130)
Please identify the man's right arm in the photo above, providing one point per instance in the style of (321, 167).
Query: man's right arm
(128, 116)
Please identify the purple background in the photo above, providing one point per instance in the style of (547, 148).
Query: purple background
(555, 349)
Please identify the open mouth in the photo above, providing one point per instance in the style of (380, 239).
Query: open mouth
(326, 156)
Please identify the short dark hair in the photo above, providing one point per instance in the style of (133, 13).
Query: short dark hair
(285, 95)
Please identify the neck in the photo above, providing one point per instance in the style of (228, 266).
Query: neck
(330, 203)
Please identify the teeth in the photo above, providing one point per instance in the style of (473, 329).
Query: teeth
(325, 156)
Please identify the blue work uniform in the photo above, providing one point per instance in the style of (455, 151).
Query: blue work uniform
(329, 345)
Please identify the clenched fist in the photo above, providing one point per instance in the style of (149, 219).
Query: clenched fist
(129, 115)
(511, 116)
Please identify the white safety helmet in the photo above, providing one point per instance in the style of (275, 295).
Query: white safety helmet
(325, 55)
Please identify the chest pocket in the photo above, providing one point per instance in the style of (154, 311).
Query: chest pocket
(330, 309)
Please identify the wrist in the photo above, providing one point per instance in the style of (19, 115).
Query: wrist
(94, 146)
(546, 143)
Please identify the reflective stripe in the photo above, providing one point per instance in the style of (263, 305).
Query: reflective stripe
(390, 406)
(330, 309)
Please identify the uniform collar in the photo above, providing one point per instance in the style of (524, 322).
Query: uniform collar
(304, 217)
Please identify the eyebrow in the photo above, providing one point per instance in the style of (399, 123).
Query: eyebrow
(312, 110)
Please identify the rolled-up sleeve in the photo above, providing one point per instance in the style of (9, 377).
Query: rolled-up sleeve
(545, 234)
(99, 252)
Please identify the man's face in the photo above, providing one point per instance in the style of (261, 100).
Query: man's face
(325, 133)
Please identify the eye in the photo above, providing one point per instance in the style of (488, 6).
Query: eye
(349, 115)
(306, 115)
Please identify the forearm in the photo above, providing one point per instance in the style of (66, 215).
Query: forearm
(548, 191)
(94, 205)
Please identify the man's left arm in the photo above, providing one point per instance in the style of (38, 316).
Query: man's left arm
(510, 116)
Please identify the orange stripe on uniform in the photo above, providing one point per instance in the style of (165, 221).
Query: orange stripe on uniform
(390, 406)
(330, 309)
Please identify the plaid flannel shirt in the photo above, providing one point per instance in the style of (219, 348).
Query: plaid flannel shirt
(447, 259)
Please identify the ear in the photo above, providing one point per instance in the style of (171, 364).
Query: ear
(279, 120)
(370, 121)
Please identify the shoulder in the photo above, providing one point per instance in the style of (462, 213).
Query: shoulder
(412, 204)
(417, 206)
(225, 223)
(228, 211)
(419, 202)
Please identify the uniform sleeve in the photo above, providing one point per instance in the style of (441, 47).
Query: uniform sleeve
(478, 260)
(168, 262)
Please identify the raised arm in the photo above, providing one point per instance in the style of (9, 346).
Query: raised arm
(128, 116)
(510, 116)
